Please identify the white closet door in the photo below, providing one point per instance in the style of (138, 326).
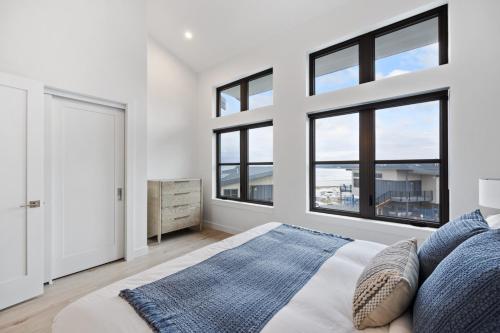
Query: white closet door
(87, 147)
(21, 181)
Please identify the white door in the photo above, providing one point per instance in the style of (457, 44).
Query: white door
(21, 182)
(88, 175)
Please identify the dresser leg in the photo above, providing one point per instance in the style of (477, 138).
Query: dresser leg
(159, 238)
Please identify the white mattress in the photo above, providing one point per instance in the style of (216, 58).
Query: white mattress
(322, 305)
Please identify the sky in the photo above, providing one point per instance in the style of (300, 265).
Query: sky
(407, 132)
(409, 61)
(232, 103)
(230, 98)
(260, 145)
(401, 63)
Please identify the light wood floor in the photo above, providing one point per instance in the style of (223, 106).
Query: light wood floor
(36, 315)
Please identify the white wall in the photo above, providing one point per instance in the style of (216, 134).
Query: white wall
(475, 105)
(97, 48)
(470, 74)
(172, 93)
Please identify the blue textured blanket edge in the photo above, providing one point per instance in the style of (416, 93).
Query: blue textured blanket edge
(151, 314)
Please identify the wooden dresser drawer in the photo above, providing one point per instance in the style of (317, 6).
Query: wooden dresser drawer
(180, 198)
(180, 217)
(179, 186)
(180, 210)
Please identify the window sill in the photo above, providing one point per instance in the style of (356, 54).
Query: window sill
(257, 109)
(363, 223)
(244, 117)
(242, 205)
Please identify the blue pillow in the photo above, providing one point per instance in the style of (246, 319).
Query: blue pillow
(463, 293)
(445, 239)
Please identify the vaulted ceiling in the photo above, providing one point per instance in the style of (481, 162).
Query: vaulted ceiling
(225, 28)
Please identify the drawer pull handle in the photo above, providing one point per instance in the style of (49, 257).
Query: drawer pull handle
(177, 206)
(181, 217)
(181, 181)
(181, 193)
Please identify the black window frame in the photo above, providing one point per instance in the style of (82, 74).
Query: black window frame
(244, 163)
(244, 90)
(367, 161)
(366, 45)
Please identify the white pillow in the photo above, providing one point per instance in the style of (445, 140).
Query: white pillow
(494, 221)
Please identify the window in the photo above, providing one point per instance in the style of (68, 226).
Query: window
(229, 169)
(246, 94)
(386, 160)
(231, 193)
(337, 159)
(410, 45)
(407, 50)
(260, 92)
(337, 70)
(230, 100)
(245, 163)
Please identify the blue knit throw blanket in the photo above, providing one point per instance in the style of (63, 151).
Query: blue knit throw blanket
(237, 290)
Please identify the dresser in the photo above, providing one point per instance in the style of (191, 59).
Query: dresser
(174, 204)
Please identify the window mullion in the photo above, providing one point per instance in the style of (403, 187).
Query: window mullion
(244, 164)
(312, 70)
(312, 164)
(218, 159)
(443, 35)
(366, 164)
(366, 58)
(217, 97)
(244, 95)
(443, 156)
(259, 163)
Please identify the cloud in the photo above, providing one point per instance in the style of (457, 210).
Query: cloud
(230, 147)
(394, 72)
(337, 138)
(408, 132)
(408, 61)
(337, 80)
(260, 144)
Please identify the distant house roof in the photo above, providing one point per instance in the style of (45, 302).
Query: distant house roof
(422, 169)
(232, 176)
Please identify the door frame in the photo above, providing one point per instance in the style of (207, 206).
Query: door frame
(130, 143)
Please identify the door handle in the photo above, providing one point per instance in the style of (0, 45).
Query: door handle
(119, 193)
(31, 204)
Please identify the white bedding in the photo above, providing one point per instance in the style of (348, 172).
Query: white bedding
(322, 305)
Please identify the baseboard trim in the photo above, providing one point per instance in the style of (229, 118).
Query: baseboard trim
(221, 227)
(142, 251)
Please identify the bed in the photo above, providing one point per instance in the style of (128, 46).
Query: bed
(324, 304)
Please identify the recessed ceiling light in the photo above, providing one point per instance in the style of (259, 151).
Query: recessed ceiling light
(188, 35)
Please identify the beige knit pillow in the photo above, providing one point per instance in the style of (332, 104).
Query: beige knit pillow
(387, 285)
